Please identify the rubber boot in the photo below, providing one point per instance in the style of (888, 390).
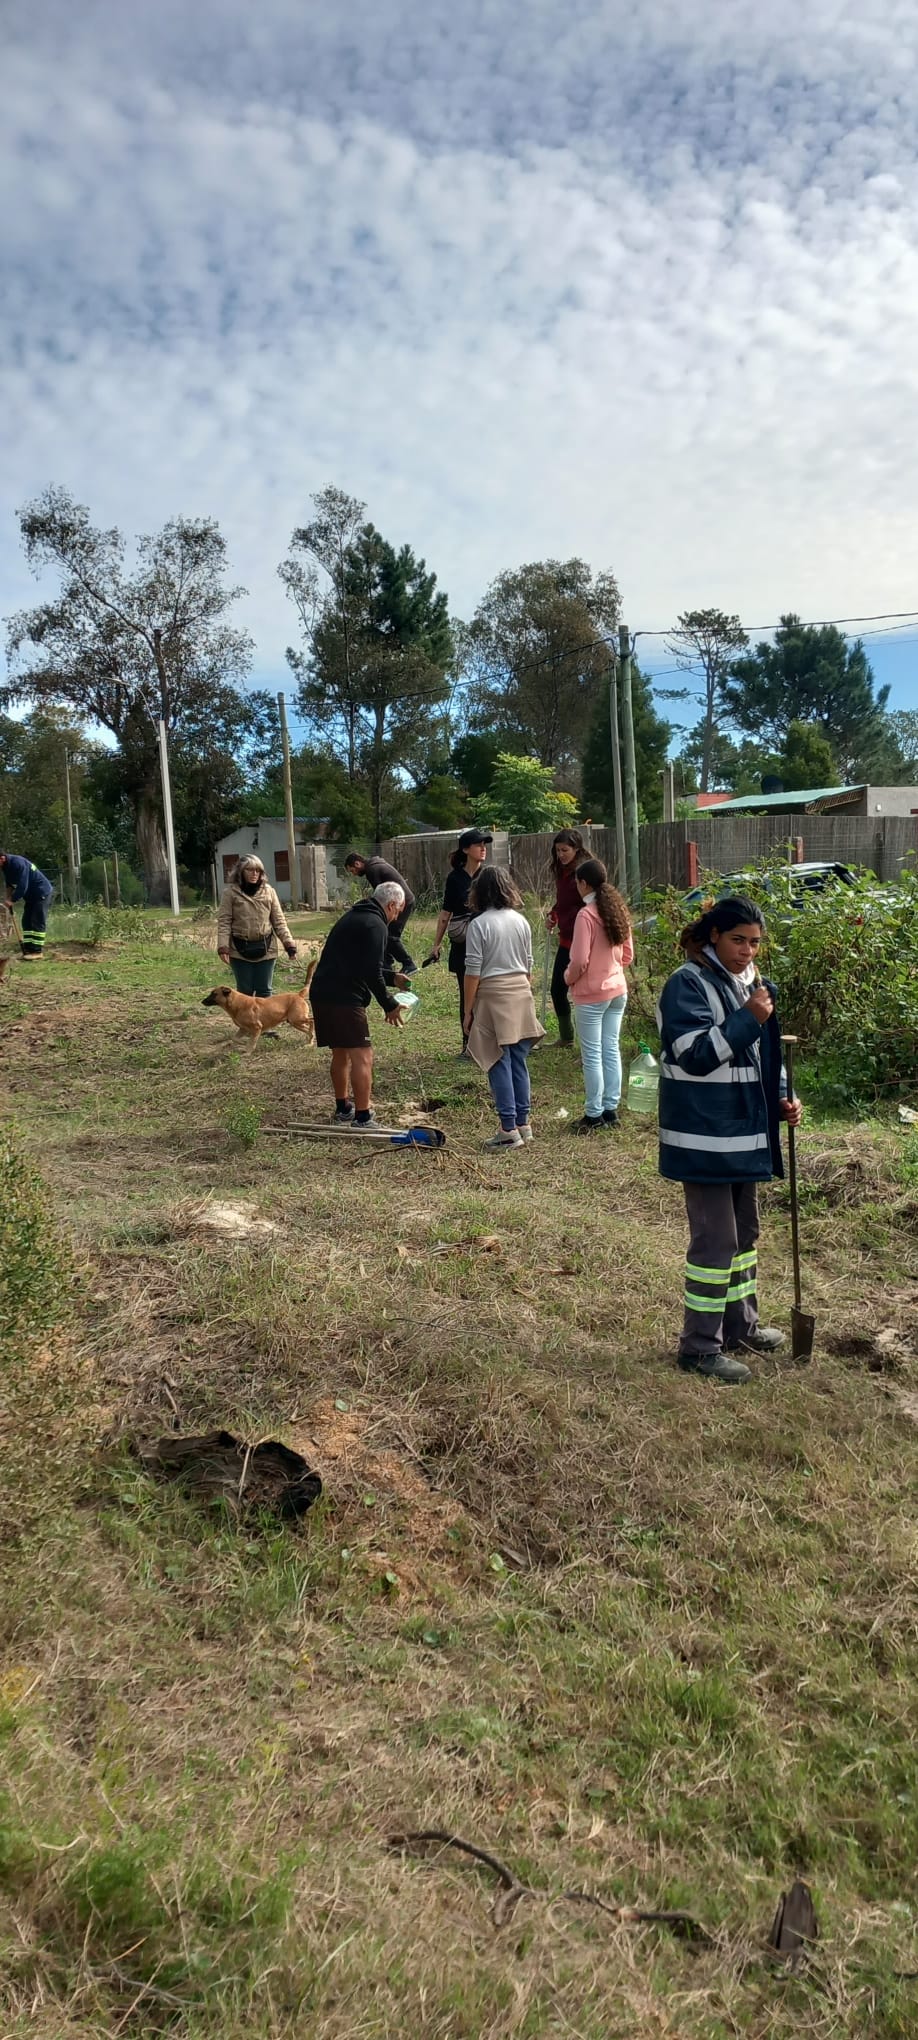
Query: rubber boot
(565, 1028)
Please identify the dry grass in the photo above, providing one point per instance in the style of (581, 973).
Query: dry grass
(633, 1635)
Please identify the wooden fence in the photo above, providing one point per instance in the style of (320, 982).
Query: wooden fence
(724, 843)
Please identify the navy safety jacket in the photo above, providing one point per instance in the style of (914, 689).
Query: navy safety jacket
(21, 877)
(721, 1080)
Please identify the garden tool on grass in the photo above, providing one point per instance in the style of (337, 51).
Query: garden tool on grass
(803, 1326)
(545, 976)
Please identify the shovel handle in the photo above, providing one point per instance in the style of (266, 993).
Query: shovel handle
(788, 1044)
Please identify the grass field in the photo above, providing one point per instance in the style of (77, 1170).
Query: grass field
(635, 1635)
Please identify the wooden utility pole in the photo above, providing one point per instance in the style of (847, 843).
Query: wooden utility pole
(105, 883)
(669, 793)
(288, 806)
(117, 878)
(71, 859)
(629, 770)
(621, 875)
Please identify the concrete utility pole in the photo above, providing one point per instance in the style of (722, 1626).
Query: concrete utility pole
(77, 859)
(167, 817)
(288, 806)
(164, 770)
(629, 770)
(621, 874)
(669, 793)
(71, 859)
(117, 878)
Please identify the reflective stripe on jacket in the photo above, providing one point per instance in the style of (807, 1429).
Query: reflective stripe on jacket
(720, 1081)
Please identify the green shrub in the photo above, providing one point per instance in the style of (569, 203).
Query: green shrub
(120, 924)
(243, 1121)
(35, 1267)
(845, 962)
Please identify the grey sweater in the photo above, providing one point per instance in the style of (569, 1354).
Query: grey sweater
(498, 942)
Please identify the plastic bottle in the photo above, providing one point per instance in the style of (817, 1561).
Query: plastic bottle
(643, 1081)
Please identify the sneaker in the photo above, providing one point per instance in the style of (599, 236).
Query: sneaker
(501, 1139)
(463, 1055)
(714, 1367)
(610, 1118)
(587, 1125)
(525, 1133)
(342, 1115)
(765, 1339)
(370, 1125)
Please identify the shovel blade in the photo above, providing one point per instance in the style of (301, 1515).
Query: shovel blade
(803, 1330)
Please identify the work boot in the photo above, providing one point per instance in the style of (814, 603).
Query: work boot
(765, 1339)
(714, 1367)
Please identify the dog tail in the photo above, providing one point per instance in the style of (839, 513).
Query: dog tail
(309, 976)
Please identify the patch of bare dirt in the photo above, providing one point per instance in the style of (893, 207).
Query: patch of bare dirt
(354, 1456)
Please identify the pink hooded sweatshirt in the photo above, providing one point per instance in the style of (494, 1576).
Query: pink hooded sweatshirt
(597, 966)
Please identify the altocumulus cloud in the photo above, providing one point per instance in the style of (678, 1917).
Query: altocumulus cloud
(639, 283)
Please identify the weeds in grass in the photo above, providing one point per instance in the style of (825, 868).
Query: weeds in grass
(243, 1122)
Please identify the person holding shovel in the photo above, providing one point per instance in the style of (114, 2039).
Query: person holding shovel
(567, 851)
(723, 1094)
(23, 881)
(465, 864)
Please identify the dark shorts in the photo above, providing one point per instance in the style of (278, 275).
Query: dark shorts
(342, 1027)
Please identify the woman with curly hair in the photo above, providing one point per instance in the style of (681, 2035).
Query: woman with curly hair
(601, 950)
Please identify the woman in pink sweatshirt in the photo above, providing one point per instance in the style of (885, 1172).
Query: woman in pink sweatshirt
(601, 949)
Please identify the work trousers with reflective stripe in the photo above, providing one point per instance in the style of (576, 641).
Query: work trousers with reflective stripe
(35, 921)
(720, 1269)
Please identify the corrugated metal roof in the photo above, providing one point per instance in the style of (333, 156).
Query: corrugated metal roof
(808, 800)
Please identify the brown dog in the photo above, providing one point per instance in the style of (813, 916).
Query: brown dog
(253, 1017)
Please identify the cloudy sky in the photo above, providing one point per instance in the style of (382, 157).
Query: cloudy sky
(557, 276)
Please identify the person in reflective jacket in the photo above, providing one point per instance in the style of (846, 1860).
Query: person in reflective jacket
(723, 1095)
(23, 881)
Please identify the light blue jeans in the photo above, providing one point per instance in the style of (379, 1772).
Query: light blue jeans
(510, 1086)
(599, 1025)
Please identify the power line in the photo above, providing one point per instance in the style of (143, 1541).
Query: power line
(817, 623)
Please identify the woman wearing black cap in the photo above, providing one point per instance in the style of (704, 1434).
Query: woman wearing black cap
(466, 862)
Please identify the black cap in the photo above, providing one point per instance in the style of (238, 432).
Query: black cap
(470, 836)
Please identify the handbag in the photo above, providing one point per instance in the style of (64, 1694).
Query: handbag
(252, 949)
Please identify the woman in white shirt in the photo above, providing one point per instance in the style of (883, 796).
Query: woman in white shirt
(500, 1016)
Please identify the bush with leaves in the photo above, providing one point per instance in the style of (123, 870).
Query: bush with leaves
(845, 962)
(522, 797)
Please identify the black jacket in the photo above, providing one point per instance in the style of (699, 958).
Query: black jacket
(350, 969)
(376, 872)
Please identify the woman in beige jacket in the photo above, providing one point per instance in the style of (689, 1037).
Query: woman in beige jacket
(250, 925)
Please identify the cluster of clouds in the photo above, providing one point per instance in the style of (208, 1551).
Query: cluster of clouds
(640, 284)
